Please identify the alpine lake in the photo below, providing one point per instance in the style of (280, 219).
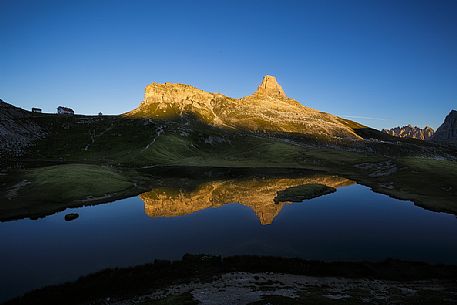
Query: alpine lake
(310, 215)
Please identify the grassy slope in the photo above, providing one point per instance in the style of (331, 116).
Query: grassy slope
(44, 190)
(431, 183)
(132, 143)
(428, 182)
(72, 181)
(137, 143)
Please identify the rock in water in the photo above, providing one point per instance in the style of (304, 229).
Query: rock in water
(411, 132)
(303, 192)
(71, 216)
(447, 132)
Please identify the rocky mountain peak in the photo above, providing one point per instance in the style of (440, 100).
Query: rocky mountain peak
(270, 86)
(447, 132)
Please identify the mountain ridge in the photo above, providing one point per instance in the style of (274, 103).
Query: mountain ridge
(268, 109)
(412, 132)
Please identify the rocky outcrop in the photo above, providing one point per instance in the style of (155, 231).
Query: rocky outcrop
(270, 87)
(411, 132)
(17, 130)
(267, 110)
(163, 202)
(447, 132)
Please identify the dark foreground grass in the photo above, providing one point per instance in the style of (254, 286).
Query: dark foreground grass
(180, 299)
(317, 296)
(134, 281)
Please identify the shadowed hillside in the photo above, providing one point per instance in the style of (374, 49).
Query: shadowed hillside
(17, 131)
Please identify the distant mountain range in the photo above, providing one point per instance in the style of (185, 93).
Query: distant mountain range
(411, 132)
(445, 134)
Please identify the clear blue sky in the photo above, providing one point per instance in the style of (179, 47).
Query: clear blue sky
(385, 63)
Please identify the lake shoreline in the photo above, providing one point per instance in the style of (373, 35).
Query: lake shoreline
(144, 179)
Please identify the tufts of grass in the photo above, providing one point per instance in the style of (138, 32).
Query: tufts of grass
(133, 282)
(182, 299)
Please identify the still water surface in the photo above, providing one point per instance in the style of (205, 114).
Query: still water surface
(353, 223)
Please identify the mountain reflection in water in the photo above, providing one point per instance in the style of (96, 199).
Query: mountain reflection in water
(353, 223)
(256, 193)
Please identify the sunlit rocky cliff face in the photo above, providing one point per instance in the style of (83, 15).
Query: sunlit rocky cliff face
(256, 193)
(268, 109)
(411, 132)
(447, 132)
